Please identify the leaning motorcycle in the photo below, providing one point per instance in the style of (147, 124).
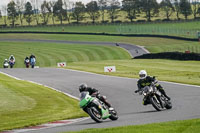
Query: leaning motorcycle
(154, 97)
(96, 109)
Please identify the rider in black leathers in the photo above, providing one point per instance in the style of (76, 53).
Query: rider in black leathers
(93, 92)
(146, 81)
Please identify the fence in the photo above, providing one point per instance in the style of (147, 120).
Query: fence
(152, 28)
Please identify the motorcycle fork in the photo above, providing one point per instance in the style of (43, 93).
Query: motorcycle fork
(159, 100)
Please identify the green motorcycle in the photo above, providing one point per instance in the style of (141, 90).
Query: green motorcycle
(97, 110)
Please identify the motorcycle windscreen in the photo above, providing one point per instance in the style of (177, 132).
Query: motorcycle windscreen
(146, 89)
(84, 99)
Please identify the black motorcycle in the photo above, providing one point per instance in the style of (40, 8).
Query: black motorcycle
(27, 63)
(153, 96)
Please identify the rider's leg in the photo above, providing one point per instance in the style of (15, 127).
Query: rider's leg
(160, 88)
(105, 101)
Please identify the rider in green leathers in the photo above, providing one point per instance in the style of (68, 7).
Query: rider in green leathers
(93, 92)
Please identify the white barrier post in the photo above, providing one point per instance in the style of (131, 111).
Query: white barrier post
(109, 69)
(62, 64)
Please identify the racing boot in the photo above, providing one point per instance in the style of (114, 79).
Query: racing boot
(160, 88)
(103, 99)
(164, 93)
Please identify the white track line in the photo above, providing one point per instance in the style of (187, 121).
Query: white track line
(41, 85)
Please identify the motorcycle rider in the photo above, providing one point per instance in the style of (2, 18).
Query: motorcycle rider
(95, 93)
(11, 60)
(146, 80)
(27, 62)
(5, 63)
(32, 60)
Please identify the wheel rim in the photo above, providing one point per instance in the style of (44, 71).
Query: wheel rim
(96, 113)
(114, 113)
(156, 102)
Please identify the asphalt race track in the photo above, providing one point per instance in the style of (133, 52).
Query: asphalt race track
(120, 92)
(134, 50)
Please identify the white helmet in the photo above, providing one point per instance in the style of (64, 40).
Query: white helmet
(142, 74)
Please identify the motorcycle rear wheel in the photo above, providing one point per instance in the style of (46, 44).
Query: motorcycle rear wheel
(95, 114)
(114, 115)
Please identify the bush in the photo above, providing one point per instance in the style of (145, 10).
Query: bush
(171, 55)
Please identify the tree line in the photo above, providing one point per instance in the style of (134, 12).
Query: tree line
(62, 10)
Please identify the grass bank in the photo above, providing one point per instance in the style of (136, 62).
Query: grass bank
(185, 126)
(27, 104)
(49, 54)
(187, 72)
(154, 45)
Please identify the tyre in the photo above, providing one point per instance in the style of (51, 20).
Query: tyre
(95, 114)
(168, 105)
(155, 103)
(114, 115)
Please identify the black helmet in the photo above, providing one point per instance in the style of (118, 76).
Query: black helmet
(82, 87)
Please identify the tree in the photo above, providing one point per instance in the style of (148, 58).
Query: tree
(68, 5)
(52, 4)
(20, 8)
(195, 8)
(177, 8)
(93, 10)
(12, 13)
(35, 7)
(79, 11)
(58, 10)
(185, 8)
(28, 14)
(167, 7)
(131, 7)
(150, 7)
(45, 11)
(102, 6)
(4, 13)
(0, 14)
(113, 9)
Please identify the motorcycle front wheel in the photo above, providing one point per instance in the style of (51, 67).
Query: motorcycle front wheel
(155, 103)
(95, 114)
(168, 105)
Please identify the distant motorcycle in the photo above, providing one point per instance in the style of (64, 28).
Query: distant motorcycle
(5, 65)
(27, 63)
(11, 63)
(96, 109)
(154, 97)
(33, 62)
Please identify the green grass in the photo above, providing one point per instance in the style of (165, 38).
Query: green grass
(184, 126)
(27, 104)
(154, 45)
(187, 72)
(49, 54)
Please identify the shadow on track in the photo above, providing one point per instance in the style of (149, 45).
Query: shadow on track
(142, 112)
(93, 123)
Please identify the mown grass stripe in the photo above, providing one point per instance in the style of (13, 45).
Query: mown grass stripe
(48, 54)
